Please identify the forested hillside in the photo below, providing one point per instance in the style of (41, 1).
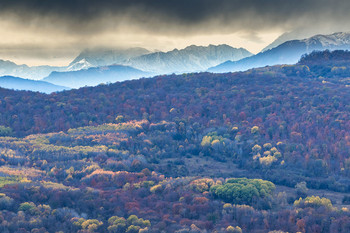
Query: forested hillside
(139, 176)
(235, 152)
(201, 97)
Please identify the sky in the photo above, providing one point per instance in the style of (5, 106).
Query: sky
(53, 32)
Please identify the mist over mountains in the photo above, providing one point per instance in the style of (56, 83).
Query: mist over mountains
(287, 53)
(105, 57)
(24, 71)
(86, 59)
(95, 76)
(190, 59)
(95, 66)
(16, 83)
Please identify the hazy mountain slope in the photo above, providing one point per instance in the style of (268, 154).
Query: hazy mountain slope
(24, 71)
(298, 34)
(16, 83)
(288, 52)
(79, 65)
(104, 57)
(87, 59)
(95, 76)
(191, 59)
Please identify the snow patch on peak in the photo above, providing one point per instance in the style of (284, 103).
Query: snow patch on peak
(83, 64)
(336, 39)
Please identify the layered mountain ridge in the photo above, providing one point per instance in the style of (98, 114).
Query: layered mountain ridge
(128, 65)
(16, 83)
(287, 53)
(92, 66)
(95, 75)
(190, 59)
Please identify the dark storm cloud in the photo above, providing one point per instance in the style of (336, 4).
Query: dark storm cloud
(85, 16)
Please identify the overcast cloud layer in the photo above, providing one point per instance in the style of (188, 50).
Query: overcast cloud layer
(59, 25)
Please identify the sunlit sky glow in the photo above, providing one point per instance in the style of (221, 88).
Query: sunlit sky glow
(43, 32)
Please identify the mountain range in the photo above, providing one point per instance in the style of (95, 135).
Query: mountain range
(94, 66)
(24, 71)
(287, 53)
(298, 34)
(86, 59)
(190, 59)
(104, 57)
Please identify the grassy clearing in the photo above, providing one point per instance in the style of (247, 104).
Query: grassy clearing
(9, 180)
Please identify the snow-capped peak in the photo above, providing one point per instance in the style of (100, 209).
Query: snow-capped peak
(83, 64)
(336, 39)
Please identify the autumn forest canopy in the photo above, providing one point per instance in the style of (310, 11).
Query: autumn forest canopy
(256, 151)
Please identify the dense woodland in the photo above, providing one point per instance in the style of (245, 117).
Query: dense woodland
(256, 151)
